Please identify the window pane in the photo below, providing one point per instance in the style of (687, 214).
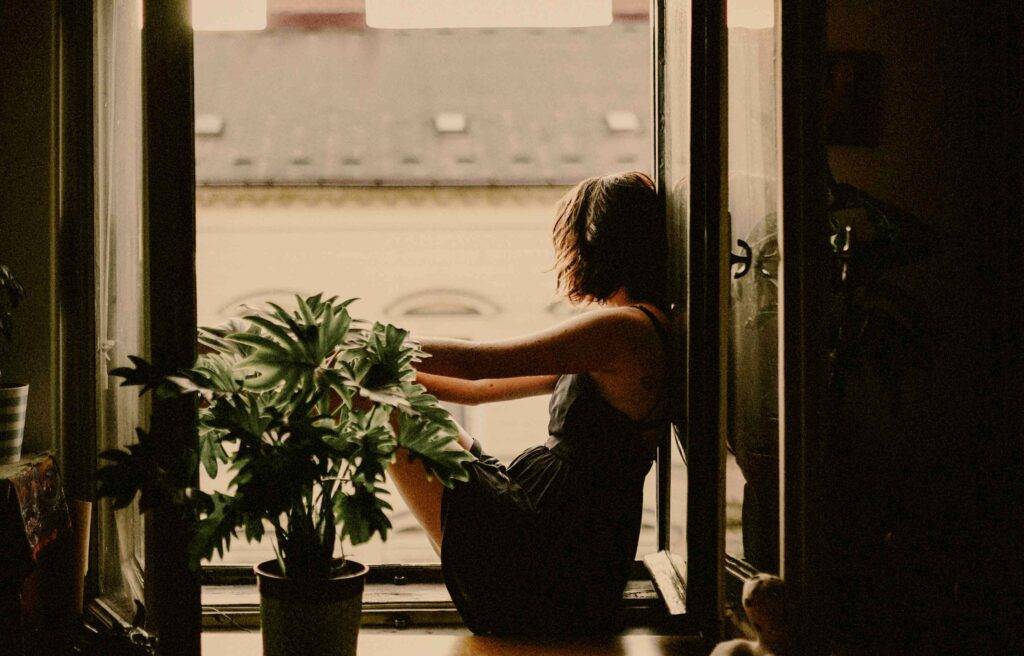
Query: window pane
(417, 170)
(752, 468)
(120, 267)
(675, 181)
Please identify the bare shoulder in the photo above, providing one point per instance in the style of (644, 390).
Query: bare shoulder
(636, 322)
(626, 335)
(627, 327)
(626, 318)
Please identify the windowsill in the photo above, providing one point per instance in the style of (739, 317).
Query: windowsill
(387, 605)
(383, 642)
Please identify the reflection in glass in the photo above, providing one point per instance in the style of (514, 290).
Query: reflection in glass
(752, 468)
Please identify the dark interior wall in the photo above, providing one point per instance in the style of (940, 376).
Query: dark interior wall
(28, 205)
(938, 484)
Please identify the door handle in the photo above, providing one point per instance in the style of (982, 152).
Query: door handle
(742, 260)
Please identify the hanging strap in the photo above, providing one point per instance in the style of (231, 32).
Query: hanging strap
(666, 348)
(666, 343)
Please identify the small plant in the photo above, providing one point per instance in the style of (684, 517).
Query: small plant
(307, 408)
(11, 294)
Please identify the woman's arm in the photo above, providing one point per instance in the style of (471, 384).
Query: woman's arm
(474, 392)
(595, 341)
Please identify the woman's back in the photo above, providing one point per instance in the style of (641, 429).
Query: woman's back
(545, 545)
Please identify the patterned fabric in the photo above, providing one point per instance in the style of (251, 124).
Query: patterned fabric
(33, 512)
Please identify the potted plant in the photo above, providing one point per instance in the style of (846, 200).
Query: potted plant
(13, 396)
(306, 408)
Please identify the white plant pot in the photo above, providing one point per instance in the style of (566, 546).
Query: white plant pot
(13, 405)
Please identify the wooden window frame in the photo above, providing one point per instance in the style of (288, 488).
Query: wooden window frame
(804, 331)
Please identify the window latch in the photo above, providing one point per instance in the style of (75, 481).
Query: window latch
(742, 260)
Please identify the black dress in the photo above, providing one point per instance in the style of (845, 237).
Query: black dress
(545, 545)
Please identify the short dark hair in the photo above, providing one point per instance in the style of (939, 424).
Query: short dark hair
(609, 233)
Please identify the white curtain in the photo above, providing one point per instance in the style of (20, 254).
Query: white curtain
(120, 268)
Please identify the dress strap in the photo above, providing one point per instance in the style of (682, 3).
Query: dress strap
(666, 347)
(666, 344)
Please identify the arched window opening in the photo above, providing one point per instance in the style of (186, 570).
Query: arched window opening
(442, 303)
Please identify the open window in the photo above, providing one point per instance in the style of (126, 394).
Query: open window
(418, 169)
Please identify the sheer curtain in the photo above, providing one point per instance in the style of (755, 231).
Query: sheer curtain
(120, 269)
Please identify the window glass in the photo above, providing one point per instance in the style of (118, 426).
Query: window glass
(415, 169)
(674, 181)
(752, 466)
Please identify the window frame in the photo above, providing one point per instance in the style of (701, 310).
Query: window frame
(242, 575)
(700, 252)
(172, 588)
(423, 603)
(650, 611)
(736, 569)
(174, 592)
(804, 330)
(77, 323)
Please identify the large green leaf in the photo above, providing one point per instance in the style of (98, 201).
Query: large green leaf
(211, 451)
(361, 515)
(143, 468)
(369, 447)
(240, 417)
(426, 405)
(379, 365)
(436, 446)
(143, 374)
(298, 403)
(214, 532)
(213, 374)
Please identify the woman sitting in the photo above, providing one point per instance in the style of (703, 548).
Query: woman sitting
(545, 545)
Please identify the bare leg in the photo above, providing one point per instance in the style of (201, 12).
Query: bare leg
(422, 494)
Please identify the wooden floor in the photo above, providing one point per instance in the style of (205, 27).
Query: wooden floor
(407, 643)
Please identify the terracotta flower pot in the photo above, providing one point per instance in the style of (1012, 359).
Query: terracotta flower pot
(13, 404)
(310, 617)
